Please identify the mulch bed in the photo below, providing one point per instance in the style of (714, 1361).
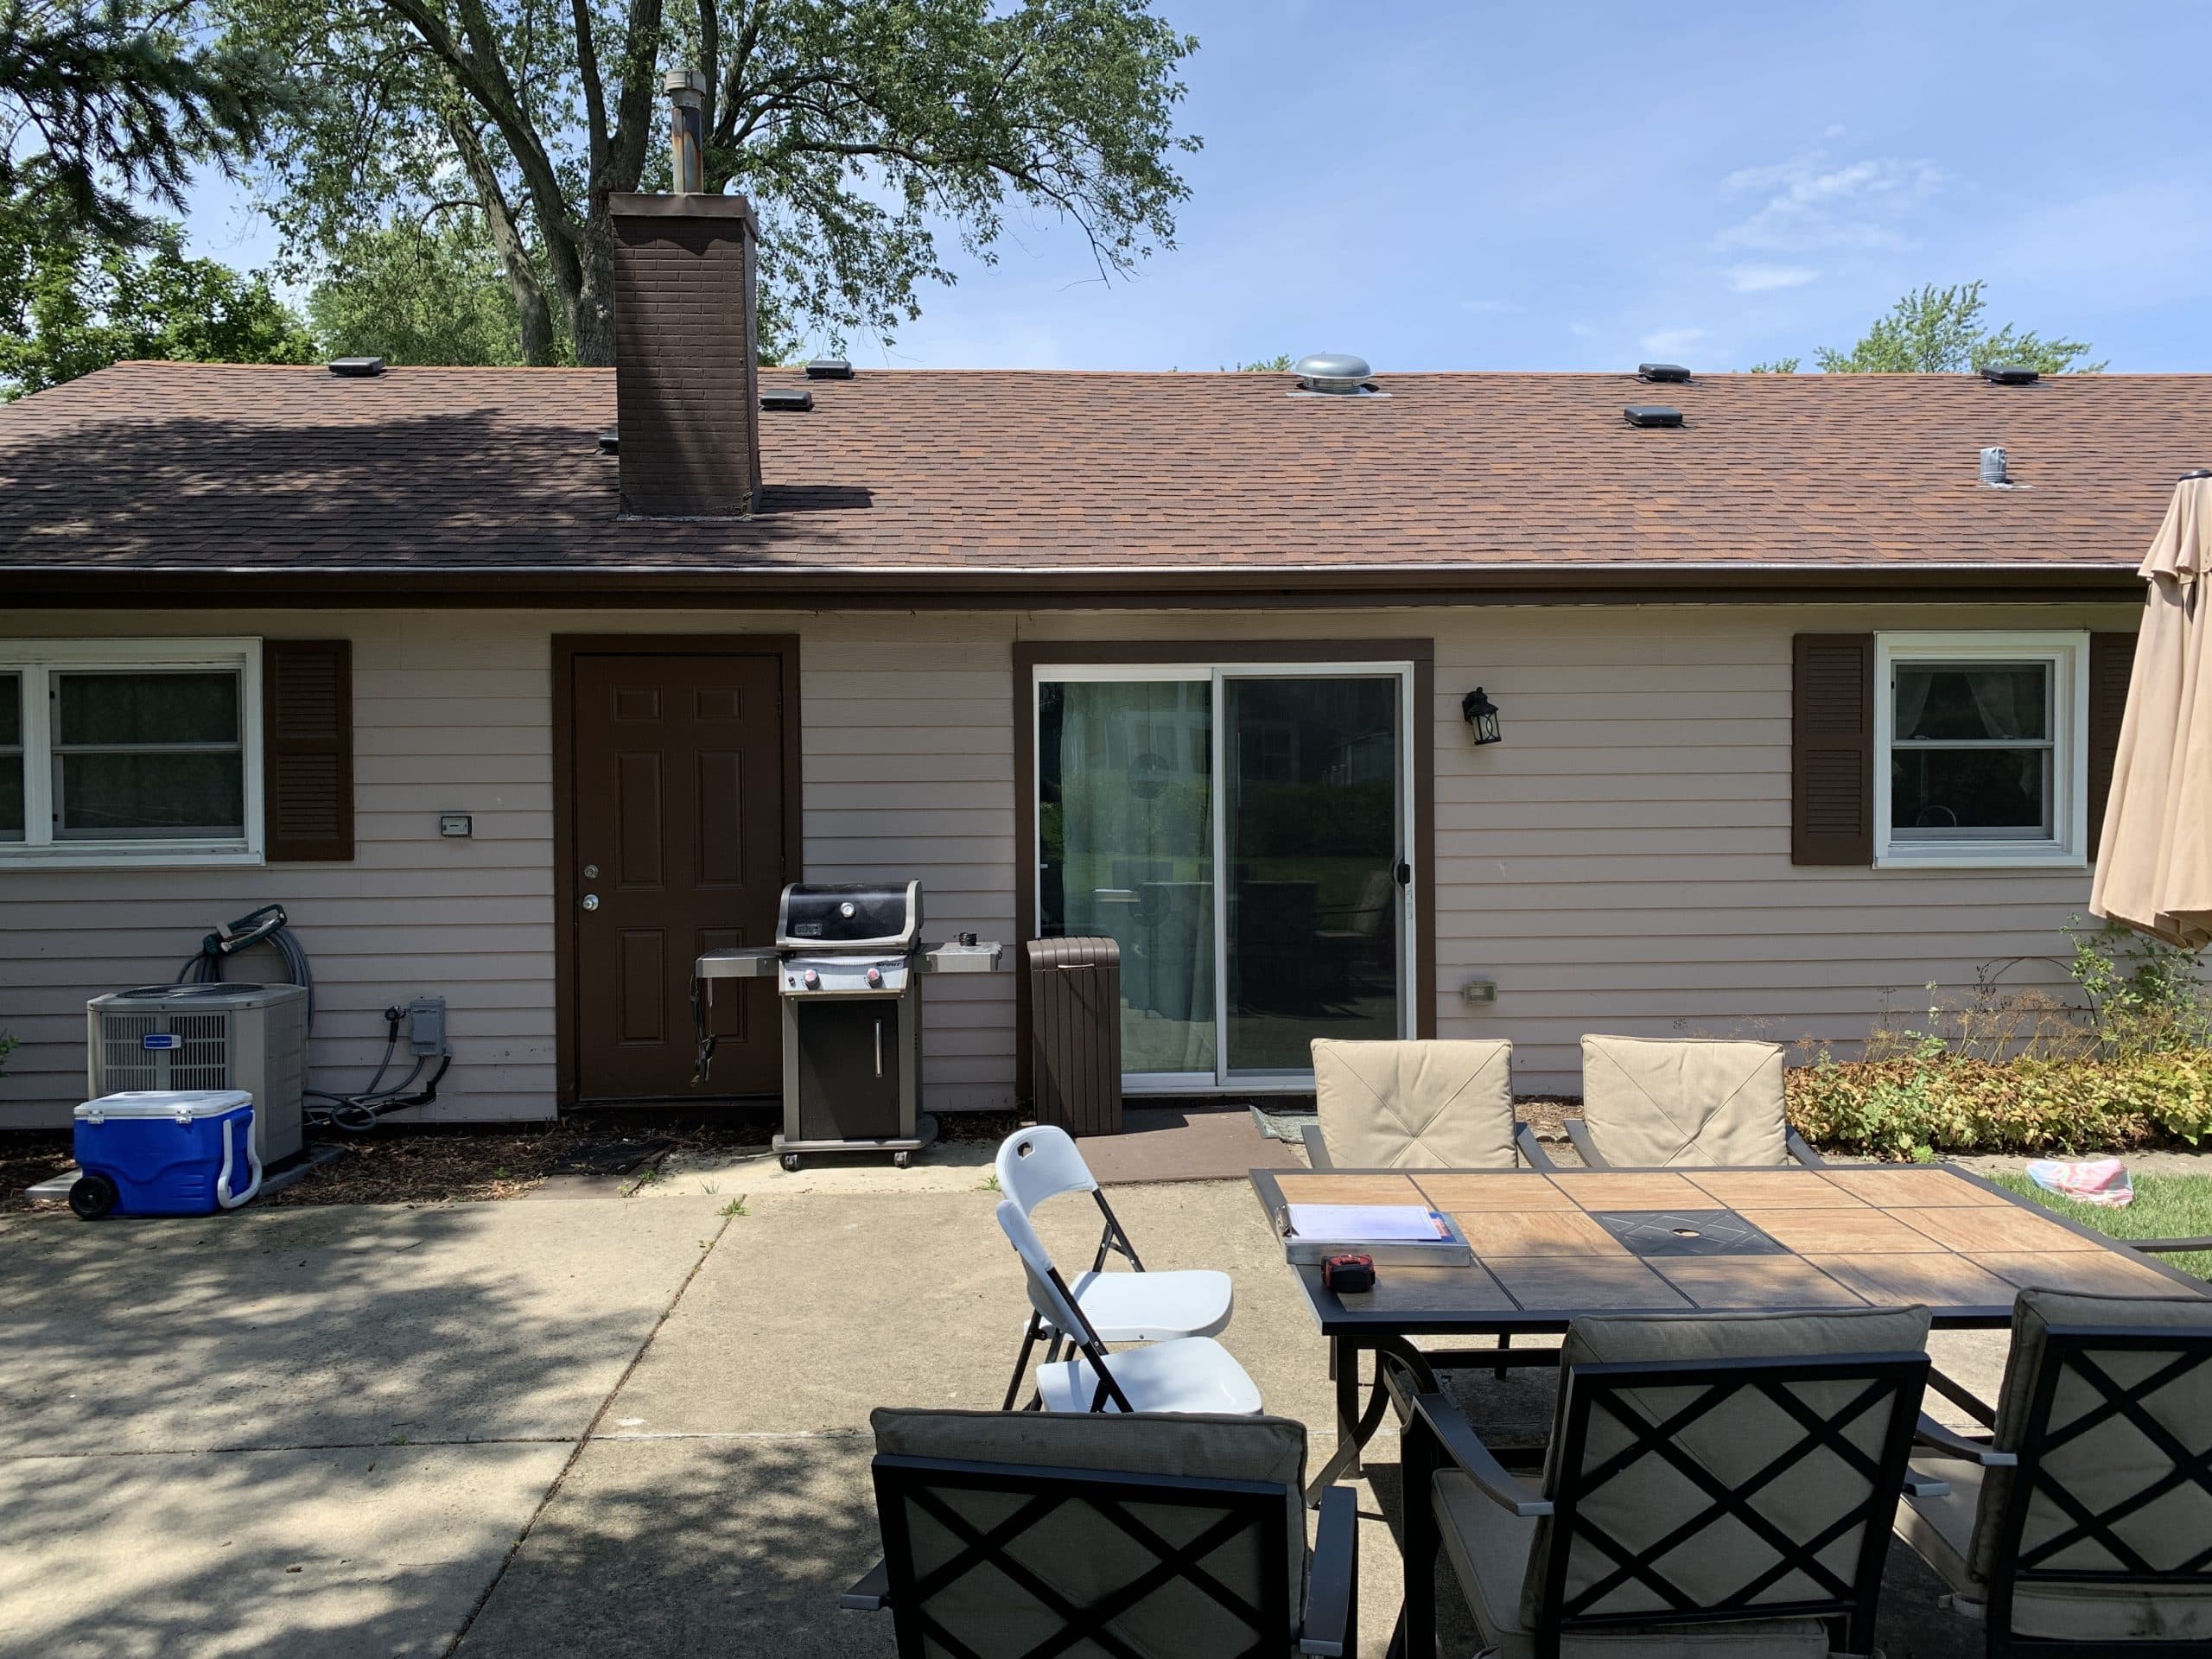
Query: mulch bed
(473, 1163)
(28, 1157)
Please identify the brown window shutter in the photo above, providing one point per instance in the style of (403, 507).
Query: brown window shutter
(2111, 664)
(306, 720)
(1832, 759)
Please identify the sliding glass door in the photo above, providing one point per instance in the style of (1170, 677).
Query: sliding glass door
(1241, 833)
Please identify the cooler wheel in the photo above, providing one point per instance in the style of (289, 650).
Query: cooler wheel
(93, 1197)
(901, 1160)
(791, 1161)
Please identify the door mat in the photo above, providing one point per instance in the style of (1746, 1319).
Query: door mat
(1171, 1143)
(609, 1154)
(1286, 1126)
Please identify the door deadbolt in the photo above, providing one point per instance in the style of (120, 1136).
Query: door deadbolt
(591, 901)
(591, 872)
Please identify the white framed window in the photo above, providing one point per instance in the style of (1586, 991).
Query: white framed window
(1981, 750)
(130, 752)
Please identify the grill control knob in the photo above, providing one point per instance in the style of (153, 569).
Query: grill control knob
(845, 910)
(813, 979)
(875, 976)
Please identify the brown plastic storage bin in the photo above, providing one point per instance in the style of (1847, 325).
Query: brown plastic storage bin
(1075, 1032)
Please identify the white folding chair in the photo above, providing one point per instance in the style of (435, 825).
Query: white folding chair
(1184, 1375)
(1042, 1163)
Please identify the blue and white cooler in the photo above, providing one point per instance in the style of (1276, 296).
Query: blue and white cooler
(164, 1152)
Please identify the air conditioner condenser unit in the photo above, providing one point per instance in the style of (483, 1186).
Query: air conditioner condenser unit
(206, 1037)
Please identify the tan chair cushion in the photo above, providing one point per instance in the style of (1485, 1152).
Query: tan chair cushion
(1941, 1530)
(1647, 1102)
(1418, 1105)
(1084, 1555)
(1489, 1550)
(2108, 1462)
(1650, 1499)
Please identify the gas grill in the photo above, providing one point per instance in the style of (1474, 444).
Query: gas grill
(848, 967)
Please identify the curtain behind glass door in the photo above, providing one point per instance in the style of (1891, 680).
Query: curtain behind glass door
(1312, 774)
(1125, 834)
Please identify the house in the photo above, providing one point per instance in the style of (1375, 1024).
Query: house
(1798, 712)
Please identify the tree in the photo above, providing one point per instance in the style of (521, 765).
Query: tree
(103, 97)
(412, 294)
(1777, 365)
(72, 302)
(1940, 331)
(857, 127)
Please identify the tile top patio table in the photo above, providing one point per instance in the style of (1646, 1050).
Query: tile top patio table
(1551, 1246)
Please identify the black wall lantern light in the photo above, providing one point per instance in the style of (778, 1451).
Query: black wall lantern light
(1482, 715)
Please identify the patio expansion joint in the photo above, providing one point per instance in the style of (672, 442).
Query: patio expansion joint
(553, 1490)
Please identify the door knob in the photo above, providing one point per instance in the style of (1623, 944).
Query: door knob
(591, 901)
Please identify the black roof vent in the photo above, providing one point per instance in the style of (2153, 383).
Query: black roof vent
(357, 368)
(1673, 374)
(2006, 374)
(610, 442)
(796, 398)
(1652, 415)
(828, 368)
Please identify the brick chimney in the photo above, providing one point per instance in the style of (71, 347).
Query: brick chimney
(687, 395)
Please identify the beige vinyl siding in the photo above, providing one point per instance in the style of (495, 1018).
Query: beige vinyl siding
(1619, 864)
(907, 772)
(413, 913)
(1621, 861)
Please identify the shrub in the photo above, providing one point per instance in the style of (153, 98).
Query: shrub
(1938, 1101)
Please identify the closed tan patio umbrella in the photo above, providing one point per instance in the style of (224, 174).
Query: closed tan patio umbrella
(2154, 866)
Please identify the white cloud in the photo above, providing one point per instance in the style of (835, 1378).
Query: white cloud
(1671, 342)
(1489, 307)
(1581, 330)
(1763, 279)
(1812, 204)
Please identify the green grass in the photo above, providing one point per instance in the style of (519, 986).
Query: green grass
(2166, 1206)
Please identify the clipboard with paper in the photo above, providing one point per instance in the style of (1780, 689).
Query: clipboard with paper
(1396, 1235)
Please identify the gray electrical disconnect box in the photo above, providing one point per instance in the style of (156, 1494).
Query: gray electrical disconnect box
(426, 1026)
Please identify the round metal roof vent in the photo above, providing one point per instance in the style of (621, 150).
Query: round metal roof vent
(1333, 372)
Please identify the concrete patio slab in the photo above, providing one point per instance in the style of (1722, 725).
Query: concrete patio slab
(723, 1500)
(679, 1547)
(944, 1167)
(330, 1326)
(360, 1554)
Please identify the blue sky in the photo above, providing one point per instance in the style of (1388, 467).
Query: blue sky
(1580, 186)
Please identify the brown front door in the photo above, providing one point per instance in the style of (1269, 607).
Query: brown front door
(678, 771)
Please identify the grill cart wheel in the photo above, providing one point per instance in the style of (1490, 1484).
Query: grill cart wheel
(92, 1196)
(791, 1161)
(901, 1160)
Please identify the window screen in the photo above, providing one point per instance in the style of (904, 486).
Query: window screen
(148, 755)
(11, 757)
(1973, 753)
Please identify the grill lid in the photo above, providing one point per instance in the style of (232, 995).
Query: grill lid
(860, 916)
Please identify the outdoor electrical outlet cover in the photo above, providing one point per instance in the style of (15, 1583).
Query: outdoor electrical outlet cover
(426, 1026)
(1479, 990)
(456, 824)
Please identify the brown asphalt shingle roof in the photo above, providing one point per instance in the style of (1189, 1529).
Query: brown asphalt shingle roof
(188, 466)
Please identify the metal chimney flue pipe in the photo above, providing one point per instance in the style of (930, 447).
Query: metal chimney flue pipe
(687, 101)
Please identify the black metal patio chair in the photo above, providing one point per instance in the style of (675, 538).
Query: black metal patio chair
(2082, 1524)
(1716, 1483)
(1017, 1536)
